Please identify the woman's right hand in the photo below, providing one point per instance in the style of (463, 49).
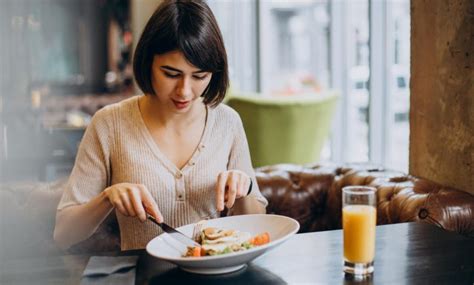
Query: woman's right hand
(133, 200)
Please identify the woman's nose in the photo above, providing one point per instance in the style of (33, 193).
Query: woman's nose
(183, 89)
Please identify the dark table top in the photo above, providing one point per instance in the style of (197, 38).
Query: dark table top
(409, 253)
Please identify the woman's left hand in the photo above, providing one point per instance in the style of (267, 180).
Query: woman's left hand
(231, 185)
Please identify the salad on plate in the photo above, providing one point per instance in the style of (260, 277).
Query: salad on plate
(216, 241)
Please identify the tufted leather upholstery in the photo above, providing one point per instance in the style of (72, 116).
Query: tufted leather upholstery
(310, 194)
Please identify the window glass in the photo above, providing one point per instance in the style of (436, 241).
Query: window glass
(399, 87)
(357, 51)
(238, 23)
(292, 56)
(294, 46)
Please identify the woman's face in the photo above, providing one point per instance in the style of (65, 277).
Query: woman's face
(177, 83)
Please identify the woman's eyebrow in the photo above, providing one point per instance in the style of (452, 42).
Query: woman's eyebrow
(170, 68)
(167, 67)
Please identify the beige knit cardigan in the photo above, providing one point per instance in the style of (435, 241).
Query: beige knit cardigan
(117, 147)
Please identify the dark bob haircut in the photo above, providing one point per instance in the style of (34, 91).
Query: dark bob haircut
(191, 28)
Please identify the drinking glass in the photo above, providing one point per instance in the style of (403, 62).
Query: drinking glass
(359, 216)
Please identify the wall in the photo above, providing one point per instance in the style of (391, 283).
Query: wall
(141, 11)
(442, 75)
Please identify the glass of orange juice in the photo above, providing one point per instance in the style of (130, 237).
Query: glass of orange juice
(359, 216)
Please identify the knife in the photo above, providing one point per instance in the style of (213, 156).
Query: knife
(179, 236)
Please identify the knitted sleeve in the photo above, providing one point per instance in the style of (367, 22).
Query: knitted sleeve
(239, 158)
(91, 171)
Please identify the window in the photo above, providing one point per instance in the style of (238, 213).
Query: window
(238, 22)
(356, 52)
(294, 42)
(360, 48)
(398, 35)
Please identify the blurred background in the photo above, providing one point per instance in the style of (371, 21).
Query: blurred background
(62, 60)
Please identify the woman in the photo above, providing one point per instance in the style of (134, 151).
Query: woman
(175, 153)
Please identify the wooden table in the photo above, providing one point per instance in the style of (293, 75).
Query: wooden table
(409, 253)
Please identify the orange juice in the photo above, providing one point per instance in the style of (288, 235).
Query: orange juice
(358, 222)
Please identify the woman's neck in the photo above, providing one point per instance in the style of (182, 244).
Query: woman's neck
(155, 114)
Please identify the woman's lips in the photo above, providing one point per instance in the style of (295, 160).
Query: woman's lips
(181, 104)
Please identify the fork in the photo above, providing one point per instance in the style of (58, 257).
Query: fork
(199, 225)
(198, 229)
(208, 217)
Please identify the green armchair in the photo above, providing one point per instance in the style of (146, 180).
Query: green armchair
(290, 129)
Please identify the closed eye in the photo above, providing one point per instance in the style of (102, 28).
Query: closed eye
(176, 75)
(202, 77)
(171, 75)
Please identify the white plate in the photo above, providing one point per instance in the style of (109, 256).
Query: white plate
(280, 229)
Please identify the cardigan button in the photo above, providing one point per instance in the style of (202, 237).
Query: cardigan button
(178, 175)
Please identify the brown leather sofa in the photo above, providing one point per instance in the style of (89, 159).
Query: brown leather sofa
(310, 194)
